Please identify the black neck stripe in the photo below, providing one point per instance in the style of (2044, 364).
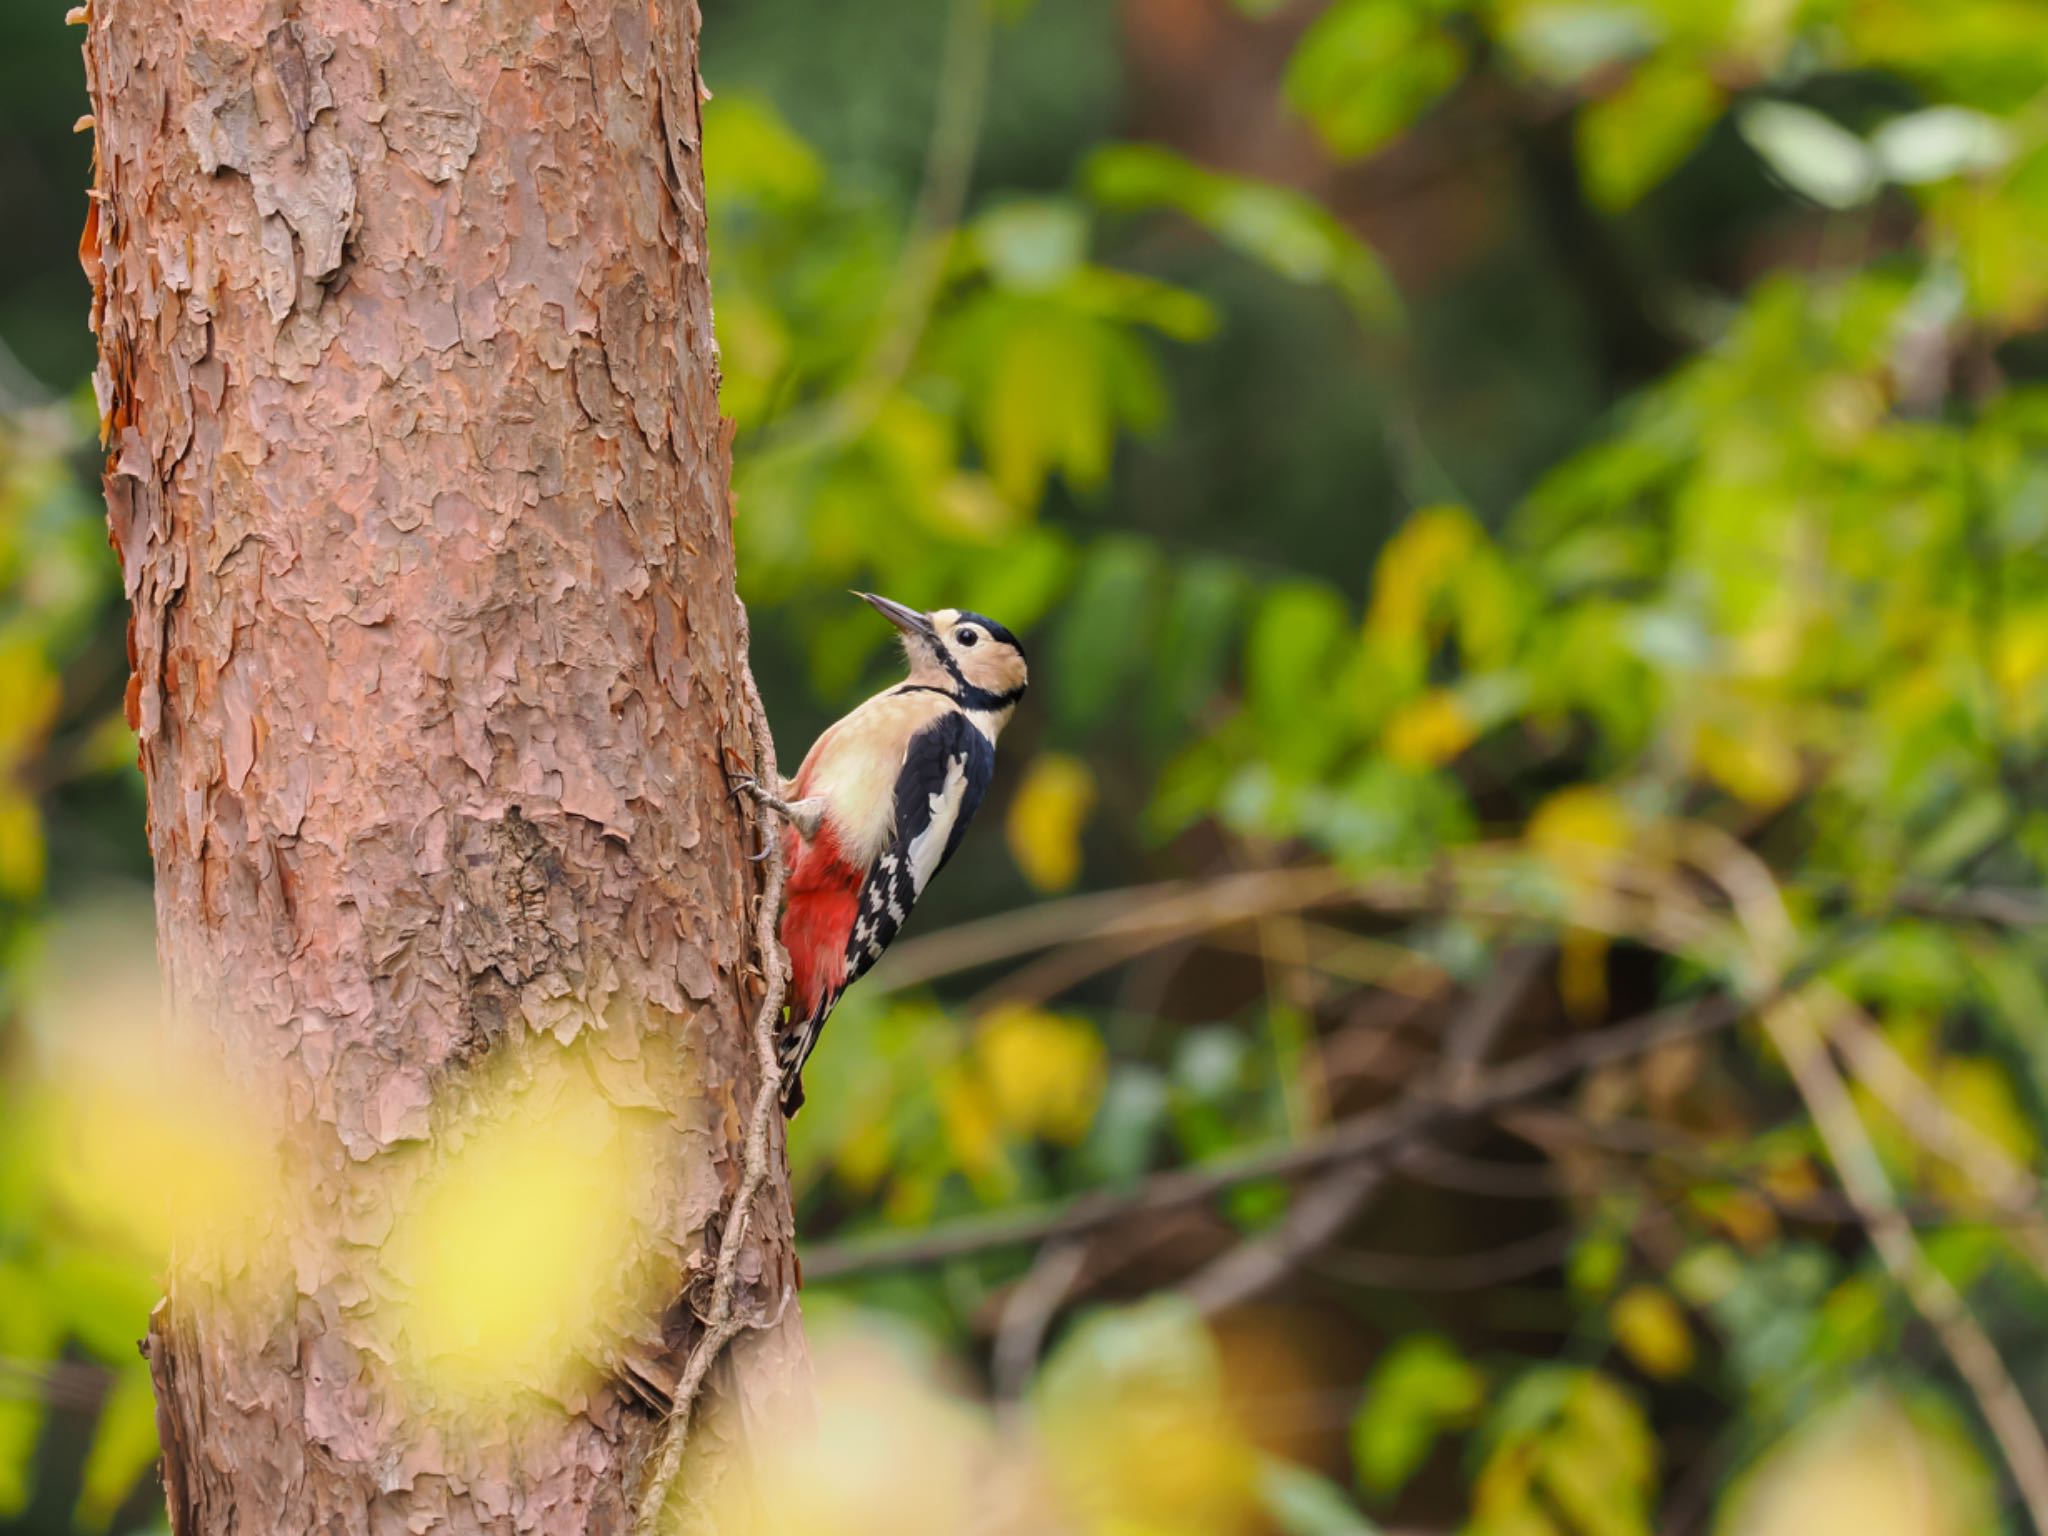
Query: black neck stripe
(968, 697)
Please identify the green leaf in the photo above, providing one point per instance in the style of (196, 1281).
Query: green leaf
(1127, 1125)
(1564, 43)
(124, 1446)
(1566, 1442)
(1940, 142)
(1281, 229)
(1194, 647)
(1967, 829)
(751, 153)
(1421, 1388)
(1814, 155)
(1290, 661)
(1032, 245)
(1101, 641)
(1367, 69)
(1630, 141)
(105, 1297)
(1046, 407)
(31, 1334)
(1300, 1503)
(1131, 298)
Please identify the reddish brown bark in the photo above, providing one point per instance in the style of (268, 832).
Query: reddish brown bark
(419, 486)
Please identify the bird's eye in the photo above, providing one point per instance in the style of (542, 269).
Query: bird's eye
(968, 636)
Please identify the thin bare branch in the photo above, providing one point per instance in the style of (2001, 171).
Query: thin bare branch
(1767, 927)
(1152, 911)
(1938, 1302)
(1362, 1137)
(1323, 1210)
(722, 1321)
(1515, 1260)
(1027, 1316)
(1937, 1128)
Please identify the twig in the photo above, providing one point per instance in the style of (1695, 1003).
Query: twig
(1933, 1296)
(1170, 907)
(1313, 1220)
(61, 1384)
(1990, 906)
(1027, 1316)
(721, 1322)
(1451, 1271)
(1364, 1136)
(1937, 1128)
(1543, 1128)
(1329, 1205)
(1105, 929)
(1760, 913)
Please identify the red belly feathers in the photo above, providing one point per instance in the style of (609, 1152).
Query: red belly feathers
(824, 896)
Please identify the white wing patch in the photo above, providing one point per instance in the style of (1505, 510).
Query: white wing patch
(929, 846)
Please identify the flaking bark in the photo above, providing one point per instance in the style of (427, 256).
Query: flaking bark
(420, 491)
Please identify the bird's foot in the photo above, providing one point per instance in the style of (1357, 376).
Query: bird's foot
(804, 815)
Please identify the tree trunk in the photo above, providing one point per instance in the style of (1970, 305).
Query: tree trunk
(420, 490)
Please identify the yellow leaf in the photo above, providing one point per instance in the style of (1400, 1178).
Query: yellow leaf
(1864, 1468)
(1583, 833)
(2019, 665)
(1651, 1328)
(1419, 562)
(864, 1155)
(1582, 974)
(1746, 1217)
(1135, 1419)
(973, 1134)
(1429, 731)
(1633, 139)
(1756, 762)
(913, 1196)
(29, 696)
(124, 1447)
(1043, 1072)
(1044, 825)
(1979, 1093)
(1046, 407)
(881, 1446)
(971, 506)
(21, 843)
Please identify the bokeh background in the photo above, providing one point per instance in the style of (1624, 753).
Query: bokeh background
(1531, 521)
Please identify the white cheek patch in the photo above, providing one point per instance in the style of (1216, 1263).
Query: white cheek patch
(929, 846)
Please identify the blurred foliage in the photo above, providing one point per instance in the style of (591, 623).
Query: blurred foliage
(1646, 562)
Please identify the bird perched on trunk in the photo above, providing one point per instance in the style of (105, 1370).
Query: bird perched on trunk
(879, 805)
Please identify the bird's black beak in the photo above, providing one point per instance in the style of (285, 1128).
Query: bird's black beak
(909, 620)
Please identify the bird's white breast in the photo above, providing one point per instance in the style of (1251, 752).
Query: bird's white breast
(855, 765)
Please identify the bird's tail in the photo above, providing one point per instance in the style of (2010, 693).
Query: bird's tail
(792, 1051)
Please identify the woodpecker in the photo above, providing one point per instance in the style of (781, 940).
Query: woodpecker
(880, 804)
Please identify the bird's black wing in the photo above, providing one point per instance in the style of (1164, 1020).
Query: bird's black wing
(946, 772)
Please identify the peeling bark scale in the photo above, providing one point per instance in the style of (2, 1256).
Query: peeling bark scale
(420, 491)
